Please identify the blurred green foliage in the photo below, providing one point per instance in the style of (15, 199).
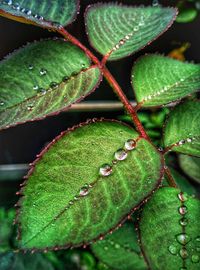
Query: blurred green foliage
(188, 10)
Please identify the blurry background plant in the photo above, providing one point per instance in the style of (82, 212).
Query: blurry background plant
(188, 10)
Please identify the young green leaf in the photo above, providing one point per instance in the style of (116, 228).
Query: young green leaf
(48, 14)
(120, 250)
(84, 184)
(43, 78)
(182, 130)
(117, 31)
(190, 166)
(159, 80)
(169, 230)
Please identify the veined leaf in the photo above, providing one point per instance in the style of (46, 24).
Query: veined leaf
(182, 130)
(159, 80)
(42, 79)
(88, 185)
(120, 250)
(169, 229)
(190, 166)
(45, 13)
(118, 31)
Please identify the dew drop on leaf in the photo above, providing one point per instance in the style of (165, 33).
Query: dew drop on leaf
(105, 170)
(43, 71)
(182, 197)
(183, 253)
(195, 258)
(53, 85)
(121, 154)
(130, 144)
(30, 67)
(35, 87)
(172, 249)
(183, 210)
(65, 78)
(183, 238)
(84, 191)
(183, 222)
(198, 239)
(1, 103)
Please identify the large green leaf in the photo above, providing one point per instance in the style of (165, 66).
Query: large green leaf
(13, 261)
(121, 250)
(158, 80)
(182, 130)
(118, 31)
(190, 166)
(42, 79)
(170, 232)
(45, 13)
(68, 199)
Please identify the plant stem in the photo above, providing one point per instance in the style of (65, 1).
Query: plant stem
(170, 178)
(111, 80)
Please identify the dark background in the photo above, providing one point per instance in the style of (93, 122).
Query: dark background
(21, 144)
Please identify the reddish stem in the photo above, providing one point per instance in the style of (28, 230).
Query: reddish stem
(170, 178)
(111, 80)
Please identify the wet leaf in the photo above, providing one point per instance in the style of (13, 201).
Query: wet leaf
(190, 166)
(83, 184)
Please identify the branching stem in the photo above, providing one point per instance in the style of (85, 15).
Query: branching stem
(111, 80)
(170, 178)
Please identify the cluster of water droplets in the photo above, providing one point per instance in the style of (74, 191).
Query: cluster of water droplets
(119, 155)
(188, 140)
(16, 6)
(183, 238)
(125, 246)
(140, 23)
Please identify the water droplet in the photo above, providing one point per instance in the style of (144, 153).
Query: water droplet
(172, 249)
(43, 91)
(183, 222)
(136, 28)
(155, 3)
(27, 12)
(195, 258)
(16, 6)
(35, 87)
(183, 253)
(53, 85)
(182, 197)
(183, 238)
(83, 65)
(65, 78)
(84, 191)
(121, 154)
(105, 170)
(8, 2)
(183, 210)
(117, 246)
(1, 103)
(130, 144)
(43, 71)
(30, 67)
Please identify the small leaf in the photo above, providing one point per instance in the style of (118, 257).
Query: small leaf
(170, 233)
(182, 130)
(187, 15)
(120, 250)
(50, 14)
(84, 184)
(16, 261)
(190, 166)
(118, 31)
(43, 78)
(159, 80)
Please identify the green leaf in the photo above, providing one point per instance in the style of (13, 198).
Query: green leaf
(68, 202)
(190, 166)
(118, 31)
(48, 14)
(120, 250)
(15, 261)
(166, 243)
(182, 130)
(159, 80)
(187, 15)
(42, 79)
